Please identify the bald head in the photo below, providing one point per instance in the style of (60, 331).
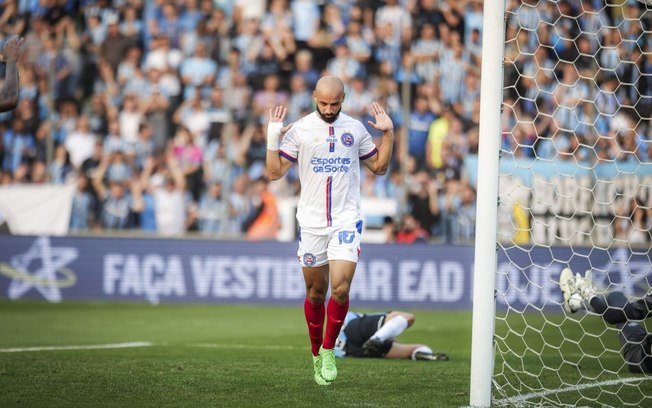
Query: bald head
(330, 84)
(329, 95)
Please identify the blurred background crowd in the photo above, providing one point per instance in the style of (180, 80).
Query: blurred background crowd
(156, 109)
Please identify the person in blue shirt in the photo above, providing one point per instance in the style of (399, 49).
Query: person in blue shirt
(198, 72)
(81, 213)
(19, 146)
(421, 118)
(372, 336)
(213, 210)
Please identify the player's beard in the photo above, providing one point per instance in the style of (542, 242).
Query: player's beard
(329, 119)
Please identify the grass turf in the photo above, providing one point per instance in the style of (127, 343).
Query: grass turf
(252, 356)
(218, 356)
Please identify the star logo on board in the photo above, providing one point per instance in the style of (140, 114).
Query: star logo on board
(41, 267)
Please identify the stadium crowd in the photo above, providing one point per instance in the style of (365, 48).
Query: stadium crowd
(156, 108)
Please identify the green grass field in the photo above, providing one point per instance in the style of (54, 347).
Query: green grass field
(567, 361)
(211, 356)
(251, 356)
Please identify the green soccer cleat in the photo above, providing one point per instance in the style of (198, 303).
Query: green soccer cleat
(316, 361)
(328, 366)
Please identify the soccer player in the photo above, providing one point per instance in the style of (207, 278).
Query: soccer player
(614, 307)
(9, 55)
(372, 335)
(328, 147)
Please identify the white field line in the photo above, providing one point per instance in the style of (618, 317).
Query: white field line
(84, 347)
(244, 346)
(525, 397)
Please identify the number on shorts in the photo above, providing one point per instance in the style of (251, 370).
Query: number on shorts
(346, 237)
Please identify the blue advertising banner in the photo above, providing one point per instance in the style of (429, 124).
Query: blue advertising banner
(528, 277)
(205, 271)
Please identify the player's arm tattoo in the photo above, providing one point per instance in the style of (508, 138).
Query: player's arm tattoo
(9, 91)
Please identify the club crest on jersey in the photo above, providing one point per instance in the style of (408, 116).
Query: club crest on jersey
(347, 139)
(309, 259)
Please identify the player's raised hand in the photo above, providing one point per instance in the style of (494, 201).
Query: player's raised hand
(277, 114)
(12, 48)
(383, 121)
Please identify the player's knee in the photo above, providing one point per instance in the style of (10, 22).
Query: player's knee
(316, 297)
(340, 293)
(410, 318)
(407, 316)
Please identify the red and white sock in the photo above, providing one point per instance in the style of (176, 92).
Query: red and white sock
(315, 319)
(336, 313)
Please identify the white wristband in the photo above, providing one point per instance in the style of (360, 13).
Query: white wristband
(273, 133)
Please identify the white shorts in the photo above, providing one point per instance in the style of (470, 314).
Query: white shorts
(319, 245)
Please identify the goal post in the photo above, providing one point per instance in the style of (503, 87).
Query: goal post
(564, 179)
(491, 99)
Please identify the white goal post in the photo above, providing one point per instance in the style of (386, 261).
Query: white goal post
(491, 99)
(566, 183)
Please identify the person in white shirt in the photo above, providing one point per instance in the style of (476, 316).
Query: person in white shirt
(328, 147)
(80, 144)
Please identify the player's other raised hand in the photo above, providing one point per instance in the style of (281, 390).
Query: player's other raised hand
(383, 121)
(12, 48)
(277, 114)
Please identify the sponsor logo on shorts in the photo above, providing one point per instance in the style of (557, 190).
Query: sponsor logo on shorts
(347, 139)
(309, 259)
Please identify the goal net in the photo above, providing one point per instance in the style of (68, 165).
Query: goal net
(575, 190)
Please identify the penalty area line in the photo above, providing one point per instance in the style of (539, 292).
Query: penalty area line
(80, 347)
(525, 397)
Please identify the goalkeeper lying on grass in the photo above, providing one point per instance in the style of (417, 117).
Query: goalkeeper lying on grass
(372, 335)
(614, 307)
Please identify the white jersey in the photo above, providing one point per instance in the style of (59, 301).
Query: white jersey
(328, 156)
